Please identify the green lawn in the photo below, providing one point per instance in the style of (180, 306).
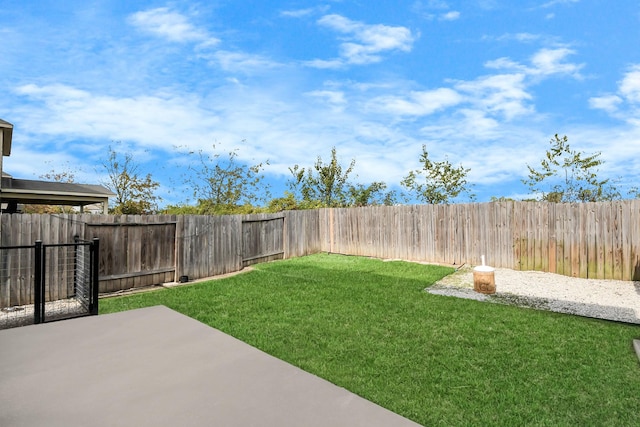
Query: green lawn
(368, 326)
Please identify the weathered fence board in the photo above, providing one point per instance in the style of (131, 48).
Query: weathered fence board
(301, 233)
(262, 238)
(134, 250)
(208, 245)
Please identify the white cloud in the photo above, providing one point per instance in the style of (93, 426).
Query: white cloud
(301, 13)
(173, 26)
(545, 62)
(332, 96)
(450, 16)
(503, 94)
(526, 37)
(558, 2)
(475, 122)
(505, 63)
(417, 103)
(625, 104)
(520, 37)
(436, 4)
(241, 62)
(330, 64)
(149, 120)
(435, 9)
(608, 103)
(364, 43)
(630, 85)
(551, 61)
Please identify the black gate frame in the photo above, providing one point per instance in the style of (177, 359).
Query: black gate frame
(39, 282)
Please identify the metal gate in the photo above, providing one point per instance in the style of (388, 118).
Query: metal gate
(42, 283)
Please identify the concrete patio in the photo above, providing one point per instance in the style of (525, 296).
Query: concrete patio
(157, 367)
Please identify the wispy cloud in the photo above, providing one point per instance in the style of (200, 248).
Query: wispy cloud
(551, 61)
(332, 96)
(242, 62)
(303, 13)
(503, 95)
(545, 62)
(417, 103)
(149, 120)
(434, 4)
(519, 37)
(630, 85)
(327, 64)
(608, 103)
(558, 2)
(363, 43)
(450, 16)
(171, 25)
(435, 9)
(625, 104)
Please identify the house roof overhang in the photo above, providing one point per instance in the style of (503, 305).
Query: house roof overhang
(52, 193)
(7, 133)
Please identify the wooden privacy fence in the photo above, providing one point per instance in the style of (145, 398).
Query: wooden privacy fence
(588, 240)
(262, 238)
(139, 251)
(134, 253)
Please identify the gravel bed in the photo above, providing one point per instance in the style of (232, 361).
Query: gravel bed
(10, 317)
(603, 299)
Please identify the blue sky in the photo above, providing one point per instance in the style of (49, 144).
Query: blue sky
(482, 83)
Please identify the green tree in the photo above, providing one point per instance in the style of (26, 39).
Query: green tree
(634, 193)
(437, 182)
(370, 195)
(501, 199)
(134, 194)
(328, 185)
(325, 184)
(568, 176)
(288, 202)
(223, 185)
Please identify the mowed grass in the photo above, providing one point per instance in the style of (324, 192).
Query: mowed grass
(369, 326)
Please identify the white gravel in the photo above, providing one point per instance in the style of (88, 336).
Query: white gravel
(603, 299)
(10, 317)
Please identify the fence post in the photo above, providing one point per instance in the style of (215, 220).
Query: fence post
(76, 240)
(38, 303)
(95, 284)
